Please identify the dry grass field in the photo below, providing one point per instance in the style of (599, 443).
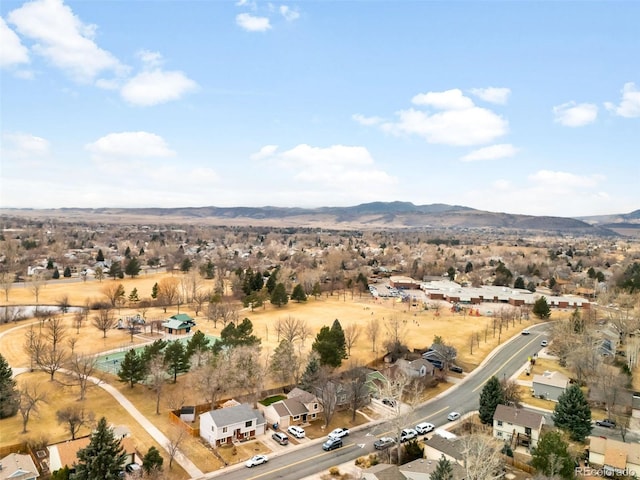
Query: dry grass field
(419, 328)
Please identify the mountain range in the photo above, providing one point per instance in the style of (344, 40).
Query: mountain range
(375, 215)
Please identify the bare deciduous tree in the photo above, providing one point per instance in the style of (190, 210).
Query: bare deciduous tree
(358, 392)
(82, 367)
(30, 398)
(351, 335)
(55, 330)
(36, 284)
(104, 320)
(156, 378)
(373, 331)
(290, 329)
(114, 292)
(74, 418)
(168, 292)
(6, 283)
(174, 440)
(482, 457)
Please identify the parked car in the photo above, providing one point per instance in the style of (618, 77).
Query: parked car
(332, 443)
(133, 468)
(424, 427)
(607, 422)
(456, 369)
(339, 433)
(389, 402)
(408, 434)
(383, 442)
(296, 431)
(256, 460)
(544, 343)
(526, 332)
(281, 438)
(453, 416)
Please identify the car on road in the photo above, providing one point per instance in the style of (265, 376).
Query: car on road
(339, 433)
(408, 434)
(607, 422)
(383, 442)
(296, 431)
(526, 332)
(453, 416)
(332, 443)
(281, 438)
(544, 343)
(256, 460)
(424, 427)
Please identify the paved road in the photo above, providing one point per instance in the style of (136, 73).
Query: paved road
(462, 397)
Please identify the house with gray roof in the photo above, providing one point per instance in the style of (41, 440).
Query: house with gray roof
(517, 425)
(179, 324)
(299, 408)
(16, 466)
(420, 469)
(449, 448)
(549, 385)
(227, 425)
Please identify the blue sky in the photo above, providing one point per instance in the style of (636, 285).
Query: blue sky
(519, 107)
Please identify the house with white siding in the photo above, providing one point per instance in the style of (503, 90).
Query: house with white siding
(227, 425)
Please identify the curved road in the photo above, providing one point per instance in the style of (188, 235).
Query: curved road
(296, 463)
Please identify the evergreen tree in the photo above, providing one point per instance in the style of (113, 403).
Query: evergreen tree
(56, 274)
(316, 291)
(9, 399)
(519, 283)
(310, 374)
(551, 457)
(330, 345)
(176, 359)
(67, 272)
(132, 368)
(132, 268)
(208, 270)
(103, 458)
(100, 256)
(443, 471)
(133, 296)
(257, 282)
(298, 293)
(155, 290)
(153, 350)
(152, 461)
(63, 473)
(127, 252)
(490, 397)
(541, 308)
(234, 336)
(115, 270)
(197, 343)
(572, 413)
(186, 265)
(272, 281)
(279, 295)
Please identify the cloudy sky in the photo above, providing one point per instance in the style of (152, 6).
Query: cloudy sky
(519, 107)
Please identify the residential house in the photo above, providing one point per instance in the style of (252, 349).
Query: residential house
(517, 425)
(615, 457)
(416, 368)
(66, 453)
(420, 469)
(16, 466)
(226, 425)
(179, 324)
(448, 446)
(609, 341)
(550, 385)
(298, 408)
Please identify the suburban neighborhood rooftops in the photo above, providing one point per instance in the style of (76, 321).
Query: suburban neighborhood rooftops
(555, 379)
(223, 417)
(518, 416)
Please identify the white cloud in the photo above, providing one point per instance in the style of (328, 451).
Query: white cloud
(265, 152)
(24, 146)
(253, 23)
(492, 152)
(492, 94)
(341, 168)
(130, 144)
(367, 121)
(459, 122)
(564, 180)
(629, 105)
(289, 14)
(447, 100)
(12, 51)
(150, 59)
(571, 114)
(157, 86)
(62, 38)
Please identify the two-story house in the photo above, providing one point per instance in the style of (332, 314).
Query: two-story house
(517, 425)
(226, 425)
(298, 408)
(615, 457)
(550, 385)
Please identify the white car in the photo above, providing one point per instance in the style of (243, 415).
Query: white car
(256, 460)
(339, 433)
(544, 343)
(424, 427)
(297, 432)
(408, 434)
(453, 416)
(526, 332)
